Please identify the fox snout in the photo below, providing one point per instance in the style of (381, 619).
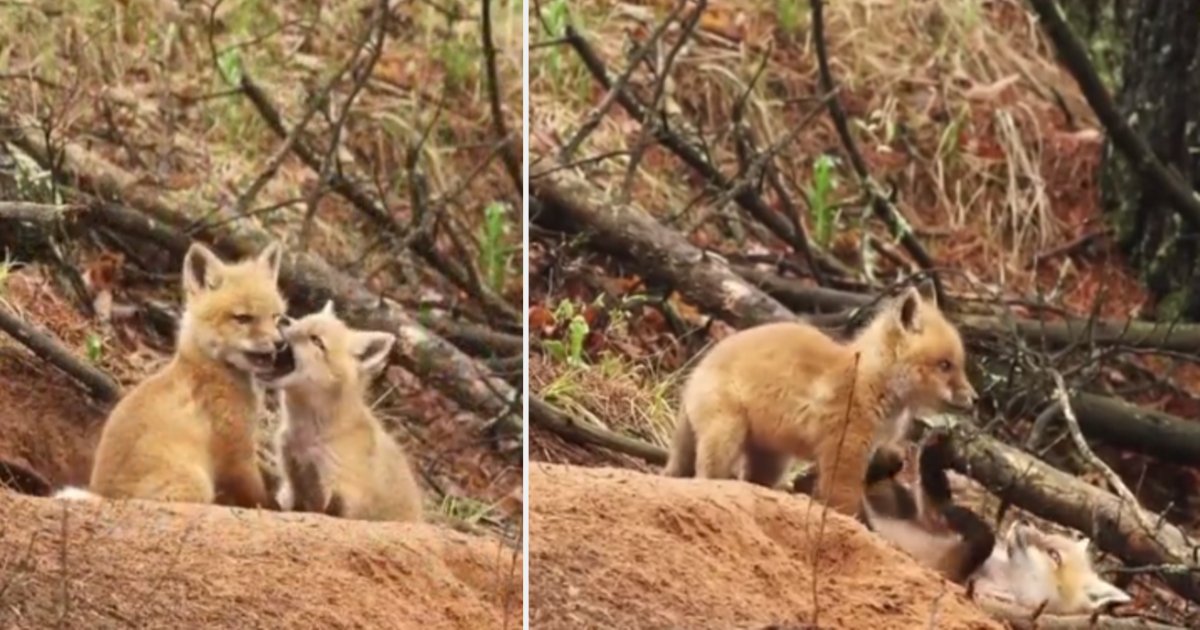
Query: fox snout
(965, 396)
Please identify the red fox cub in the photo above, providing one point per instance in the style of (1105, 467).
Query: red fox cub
(187, 432)
(1029, 567)
(336, 456)
(778, 390)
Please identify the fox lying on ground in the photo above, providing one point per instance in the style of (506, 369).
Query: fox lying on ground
(335, 455)
(786, 389)
(1032, 568)
(187, 433)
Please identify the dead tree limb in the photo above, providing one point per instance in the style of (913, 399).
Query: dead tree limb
(880, 204)
(43, 344)
(1026, 481)
(307, 278)
(551, 418)
(1135, 148)
(34, 212)
(1128, 426)
(802, 298)
(571, 205)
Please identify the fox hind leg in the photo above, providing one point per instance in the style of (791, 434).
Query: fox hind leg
(764, 466)
(720, 447)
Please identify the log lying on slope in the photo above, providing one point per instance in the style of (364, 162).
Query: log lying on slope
(572, 205)
(307, 279)
(801, 297)
(733, 293)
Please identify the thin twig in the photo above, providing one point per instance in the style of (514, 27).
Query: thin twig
(880, 204)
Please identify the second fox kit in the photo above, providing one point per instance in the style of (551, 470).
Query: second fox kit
(187, 433)
(335, 455)
(1032, 568)
(779, 390)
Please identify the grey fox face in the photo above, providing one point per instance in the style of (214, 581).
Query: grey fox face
(931, 354)
(324, 354)
(233, 309)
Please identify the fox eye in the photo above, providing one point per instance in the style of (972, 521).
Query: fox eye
(317, 342)
(945, 365)
(243, 318)
(1055, 556)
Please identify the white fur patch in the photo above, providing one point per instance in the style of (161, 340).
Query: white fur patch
(71, 493)
(927, 547)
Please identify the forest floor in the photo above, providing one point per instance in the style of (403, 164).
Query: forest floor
(150, 88)
(961, 112)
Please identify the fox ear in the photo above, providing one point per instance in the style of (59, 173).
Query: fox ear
(371, 349)
(328, 309)
(927, 290)
(908, 310)
(1101, 594)
(202, 269)
(271, 259)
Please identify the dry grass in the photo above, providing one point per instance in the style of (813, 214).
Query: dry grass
(958, 106)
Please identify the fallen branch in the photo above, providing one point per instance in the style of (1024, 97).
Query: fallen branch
(34, 212)
(548, 417)
(572, 205)
(307, 278)
(1081, 445)
(43, 344)
(1162, 435)
(1033, 485)
(802, 298)
(1133, 146)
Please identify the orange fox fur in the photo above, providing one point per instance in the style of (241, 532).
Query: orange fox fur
(187, 432)
(337, 458)
(779, 390)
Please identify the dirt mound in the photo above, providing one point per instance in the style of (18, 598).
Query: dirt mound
(46, 424)
(135, 564)
(619, 549)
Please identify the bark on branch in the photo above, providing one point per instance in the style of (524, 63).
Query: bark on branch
(101, 385)
(572, 205)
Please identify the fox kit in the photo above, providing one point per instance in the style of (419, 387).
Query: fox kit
(923, 521)
(783, 389)
(1033, 569)
(187, 433)
(336, 456)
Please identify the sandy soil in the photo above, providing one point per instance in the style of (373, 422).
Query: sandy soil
(145, 565)
(620, 549)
